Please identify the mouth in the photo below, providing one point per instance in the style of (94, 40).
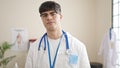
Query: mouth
(50, 23)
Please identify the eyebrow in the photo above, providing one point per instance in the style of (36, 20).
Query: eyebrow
(44, 13)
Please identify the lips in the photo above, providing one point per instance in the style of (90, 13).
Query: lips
(49, 22)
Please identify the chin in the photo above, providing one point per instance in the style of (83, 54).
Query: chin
(51, 29)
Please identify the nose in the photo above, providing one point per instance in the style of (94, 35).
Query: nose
(49, 17)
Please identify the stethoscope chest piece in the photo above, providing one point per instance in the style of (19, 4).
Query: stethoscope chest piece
(68, 52)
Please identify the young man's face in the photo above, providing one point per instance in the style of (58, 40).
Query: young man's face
(51, 19)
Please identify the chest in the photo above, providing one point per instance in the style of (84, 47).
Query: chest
(63, 59)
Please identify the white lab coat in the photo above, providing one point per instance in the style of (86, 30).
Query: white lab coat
(39, 59)
(108, 50)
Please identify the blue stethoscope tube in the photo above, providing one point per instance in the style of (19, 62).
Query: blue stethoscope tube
(43, 38)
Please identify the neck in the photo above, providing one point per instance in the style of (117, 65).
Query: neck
(55, 34)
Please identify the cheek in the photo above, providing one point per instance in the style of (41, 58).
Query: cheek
(43, 21)
(58, 18)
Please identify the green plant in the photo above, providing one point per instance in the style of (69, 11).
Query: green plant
(5, 60)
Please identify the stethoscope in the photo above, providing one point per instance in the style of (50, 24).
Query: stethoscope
(43, 38)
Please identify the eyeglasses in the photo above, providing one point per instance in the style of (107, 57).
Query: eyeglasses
(44, 15)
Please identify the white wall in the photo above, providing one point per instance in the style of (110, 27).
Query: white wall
(104, 20)
(85, 19)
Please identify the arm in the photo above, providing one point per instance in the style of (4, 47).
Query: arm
(84, 61)
(29, 62)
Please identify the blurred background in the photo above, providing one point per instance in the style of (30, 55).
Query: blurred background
(87, 20)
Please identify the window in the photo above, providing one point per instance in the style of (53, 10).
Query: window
(116, 19)
(116, 24)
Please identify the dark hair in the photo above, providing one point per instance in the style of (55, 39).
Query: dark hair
(50, 5)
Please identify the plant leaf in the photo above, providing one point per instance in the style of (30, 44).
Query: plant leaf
(5, 46)
(6, 60)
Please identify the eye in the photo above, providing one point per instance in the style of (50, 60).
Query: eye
(44, 15)
(53, 14)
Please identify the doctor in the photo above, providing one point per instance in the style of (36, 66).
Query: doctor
(56, 48)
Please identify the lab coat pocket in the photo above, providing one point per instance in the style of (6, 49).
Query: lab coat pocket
(73, 60)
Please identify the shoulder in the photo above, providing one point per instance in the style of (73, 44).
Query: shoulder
(74, 40)
(34, 46)
(75, 43)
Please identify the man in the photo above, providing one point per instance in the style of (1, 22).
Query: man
(56, 48)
